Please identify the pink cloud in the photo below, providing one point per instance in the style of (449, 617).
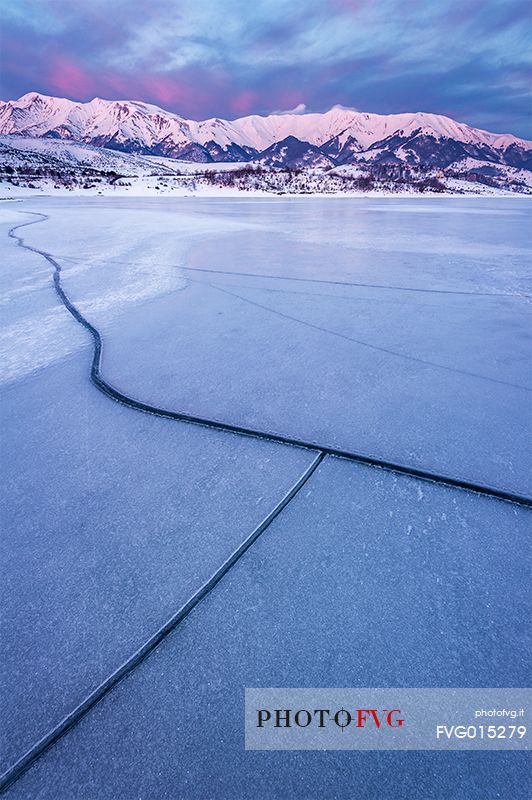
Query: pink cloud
(350, 5)
(69, 78)
(173, 92)
(244, 101)
(117, 85)
(164, 90)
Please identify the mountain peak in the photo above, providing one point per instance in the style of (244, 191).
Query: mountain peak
(340, 133)
(31, 97)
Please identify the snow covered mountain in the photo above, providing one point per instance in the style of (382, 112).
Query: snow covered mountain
(295, 153)
(339, 136)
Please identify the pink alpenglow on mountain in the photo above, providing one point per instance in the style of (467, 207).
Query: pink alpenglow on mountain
(337, 137)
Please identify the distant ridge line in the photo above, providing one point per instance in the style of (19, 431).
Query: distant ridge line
(336, 137)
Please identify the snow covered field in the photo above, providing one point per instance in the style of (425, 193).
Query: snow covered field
(33, 166)
(393, 328)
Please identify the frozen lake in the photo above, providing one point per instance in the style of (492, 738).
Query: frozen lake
(398, 328)
(395, 328)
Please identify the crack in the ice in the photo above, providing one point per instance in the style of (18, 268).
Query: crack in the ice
(120, 397)
(24, 763)
(361, 342)
(53, 736)
(394, 288)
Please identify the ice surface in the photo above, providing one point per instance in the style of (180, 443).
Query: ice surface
(366, 578)
(111, 518)
(115, 518)
(142, 274)
(35, 329)
(439, 379)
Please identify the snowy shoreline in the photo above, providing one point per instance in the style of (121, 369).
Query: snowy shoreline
(141, 188)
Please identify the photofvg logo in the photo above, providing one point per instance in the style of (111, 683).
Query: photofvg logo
(322, 717)
(386, 719)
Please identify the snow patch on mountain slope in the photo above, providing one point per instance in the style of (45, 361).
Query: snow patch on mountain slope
(16, 150)
(130, 122)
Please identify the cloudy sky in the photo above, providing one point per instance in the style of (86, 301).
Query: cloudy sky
(202, 58)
